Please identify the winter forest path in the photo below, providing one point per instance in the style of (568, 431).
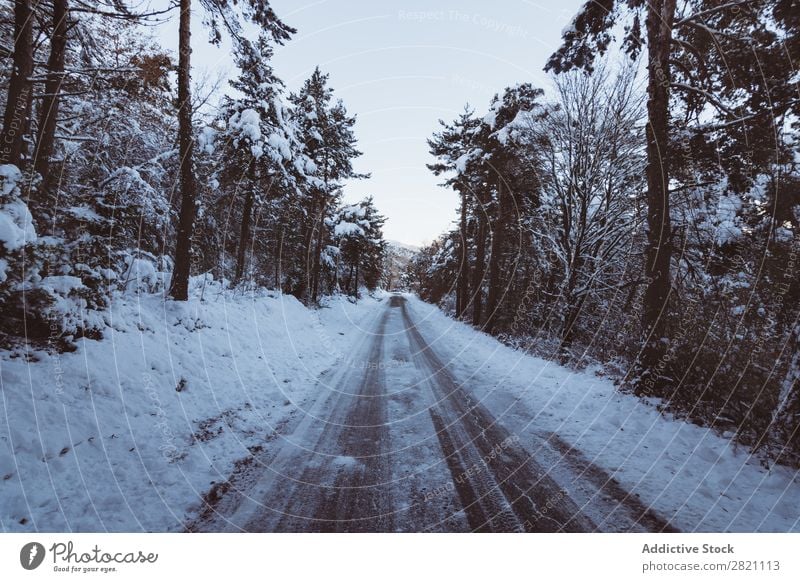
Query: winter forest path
(395, 443)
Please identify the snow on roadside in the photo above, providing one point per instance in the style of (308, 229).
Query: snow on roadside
(127, 433)
(697, 479)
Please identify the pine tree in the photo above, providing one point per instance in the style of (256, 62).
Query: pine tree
(258, 145)
(360, 245)
(260, 13)
(495, 140)
(326, 130)
(51, 99)
(20, 90)
(450, 146)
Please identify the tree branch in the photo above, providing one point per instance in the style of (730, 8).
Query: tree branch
(709, 12)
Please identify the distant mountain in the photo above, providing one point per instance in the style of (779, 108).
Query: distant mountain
(400, 245)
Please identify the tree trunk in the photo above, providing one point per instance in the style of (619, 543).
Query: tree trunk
(15, 120)
(52, 88)
(496, 259)
(462, 290)
(789, 395)
(244, 234)
(277, 259)
(247, 219)
(183, 247)
(660, 16)
(318, 253)
(480, 266)
(573, 310)
(358, 264)
(336, 273)
(308, 243)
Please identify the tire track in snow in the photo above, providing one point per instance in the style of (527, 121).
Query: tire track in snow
(336, 471)
(326, 474)
(501, 487)
(638, 513)
(357, 501)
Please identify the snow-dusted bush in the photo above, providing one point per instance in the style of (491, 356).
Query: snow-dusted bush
(20, 256)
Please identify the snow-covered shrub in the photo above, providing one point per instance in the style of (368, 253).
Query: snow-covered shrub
(41, 292)
(145, 272)
(20, 259)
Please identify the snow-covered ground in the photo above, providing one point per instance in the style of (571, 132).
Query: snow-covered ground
(690, 475)
(127, 433)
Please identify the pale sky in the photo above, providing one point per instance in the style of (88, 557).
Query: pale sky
(400, 66)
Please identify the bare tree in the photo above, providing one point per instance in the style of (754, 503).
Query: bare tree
(590, 158)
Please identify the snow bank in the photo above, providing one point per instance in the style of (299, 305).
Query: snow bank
(128, 432)
(697, 479)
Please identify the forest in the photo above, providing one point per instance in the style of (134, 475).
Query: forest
(637, 215)
(640, 214)
(118, 177)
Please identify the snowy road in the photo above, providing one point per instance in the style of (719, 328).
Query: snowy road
(394, 442)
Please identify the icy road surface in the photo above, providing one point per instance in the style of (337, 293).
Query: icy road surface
(395, 442)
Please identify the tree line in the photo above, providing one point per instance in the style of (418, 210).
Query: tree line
(119, 174)
(643, 214)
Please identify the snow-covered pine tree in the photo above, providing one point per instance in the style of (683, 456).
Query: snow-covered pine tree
(358, 231)
(20, 89)
(218, 12)
(48, 114)
(256, 149)
(451, 147)
(510, 181)
(326, 130)
(498, 185)
(105, 209)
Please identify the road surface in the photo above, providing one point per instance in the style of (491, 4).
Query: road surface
(394, 443)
